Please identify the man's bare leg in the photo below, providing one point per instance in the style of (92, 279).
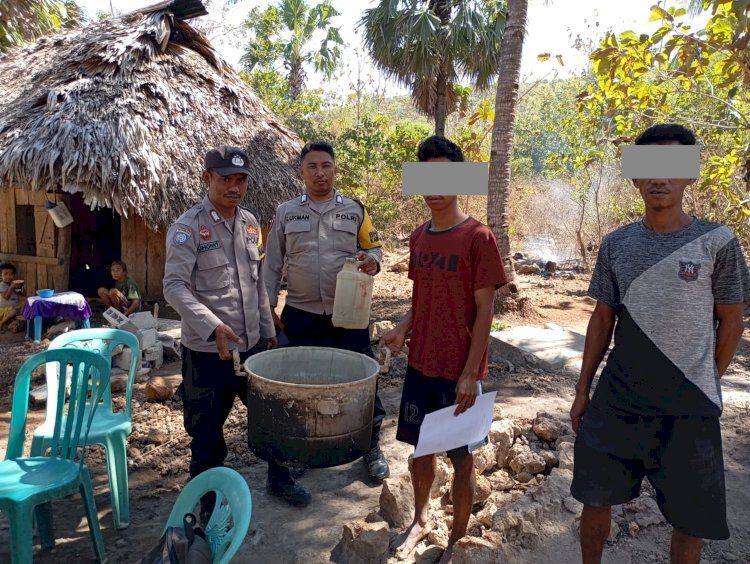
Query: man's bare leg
(464, 484)
(685, 549)
(117, 297)
(595, 523)
(422, 476)
(104, 297)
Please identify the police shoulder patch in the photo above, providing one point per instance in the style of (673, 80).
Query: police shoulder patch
(181, 235)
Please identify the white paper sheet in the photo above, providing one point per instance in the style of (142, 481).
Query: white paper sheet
(442, 431)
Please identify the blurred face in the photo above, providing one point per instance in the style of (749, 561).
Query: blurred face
(439, 203)
(662, 193)
(7, 275)
(318, 170)
(226, 192)
(117, 272)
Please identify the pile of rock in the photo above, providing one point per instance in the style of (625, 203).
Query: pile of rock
(523, 481)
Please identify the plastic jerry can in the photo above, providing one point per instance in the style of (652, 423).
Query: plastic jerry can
(60, 213)
(353, 297)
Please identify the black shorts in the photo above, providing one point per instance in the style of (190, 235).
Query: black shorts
(680, 456)
(422, 395)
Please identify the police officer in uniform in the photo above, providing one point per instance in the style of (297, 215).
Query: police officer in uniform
(316, 232)
(213, 279)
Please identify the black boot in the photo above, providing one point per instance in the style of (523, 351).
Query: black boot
(297, 471)
(293, 493)
(377, 466)
(281, 484)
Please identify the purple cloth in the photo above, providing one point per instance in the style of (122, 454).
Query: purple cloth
(70, 305)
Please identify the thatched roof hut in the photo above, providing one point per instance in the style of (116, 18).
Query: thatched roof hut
(114, 120)
(123, 111)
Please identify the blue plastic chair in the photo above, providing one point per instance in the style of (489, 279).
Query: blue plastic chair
(230, 519)
(28, 485)
(109, 429)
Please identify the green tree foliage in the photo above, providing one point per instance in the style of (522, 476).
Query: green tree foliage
(27, 20)
(370, 159)
(699, 78)
(299, 114)
(285, 34)
(428, 45)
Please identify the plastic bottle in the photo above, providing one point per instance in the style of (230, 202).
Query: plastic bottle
(353, 297)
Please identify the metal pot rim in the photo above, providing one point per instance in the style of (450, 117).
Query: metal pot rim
(252, 374)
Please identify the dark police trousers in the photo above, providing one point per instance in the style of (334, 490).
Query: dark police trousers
(208, 389)
(305, 329)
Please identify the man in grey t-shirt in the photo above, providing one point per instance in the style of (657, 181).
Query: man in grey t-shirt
(672, 289)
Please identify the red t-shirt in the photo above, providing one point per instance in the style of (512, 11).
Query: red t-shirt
(447, 267)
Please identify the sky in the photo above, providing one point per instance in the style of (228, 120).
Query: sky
(552, 27)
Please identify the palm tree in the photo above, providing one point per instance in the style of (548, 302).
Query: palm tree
(502, 131)
(428, 45)
(285, 31)
(26, 20)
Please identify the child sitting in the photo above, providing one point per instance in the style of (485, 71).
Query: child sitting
(125, 296)
(10, 303)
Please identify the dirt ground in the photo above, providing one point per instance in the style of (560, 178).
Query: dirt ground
(159, 455)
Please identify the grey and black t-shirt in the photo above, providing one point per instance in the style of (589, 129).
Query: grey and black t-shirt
(663, 287)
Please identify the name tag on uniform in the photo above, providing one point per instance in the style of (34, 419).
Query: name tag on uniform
(348, 217)
(210, 246)
(296, 217)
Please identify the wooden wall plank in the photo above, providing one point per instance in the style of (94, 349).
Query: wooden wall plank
(155, 266)
(41, 277)
(140, 268)
(44, 229)
(128, 249)
(22, 196)
(61, 273)
(134, 249)
(30, 278)
(27, 259)
(10, 217)
(4, 223)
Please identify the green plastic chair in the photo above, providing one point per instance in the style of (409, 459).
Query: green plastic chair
(109, 429)
(28, 485)
(230, 519)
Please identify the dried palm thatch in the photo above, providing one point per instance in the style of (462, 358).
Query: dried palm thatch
(123, 111)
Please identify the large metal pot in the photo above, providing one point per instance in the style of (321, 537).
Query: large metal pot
(310, 406)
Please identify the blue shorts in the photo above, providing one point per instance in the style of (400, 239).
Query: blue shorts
(422, 395)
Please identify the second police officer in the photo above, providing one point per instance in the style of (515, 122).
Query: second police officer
(315, 233)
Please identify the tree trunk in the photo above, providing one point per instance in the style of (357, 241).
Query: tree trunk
(579, 236)
(443, 11)
(502, 131)
(441, 104)
(296, 79)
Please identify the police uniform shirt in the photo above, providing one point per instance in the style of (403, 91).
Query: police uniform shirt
(213, 275)
(315, 239)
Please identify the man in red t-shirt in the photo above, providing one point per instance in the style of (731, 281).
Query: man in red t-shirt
(456, 268)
